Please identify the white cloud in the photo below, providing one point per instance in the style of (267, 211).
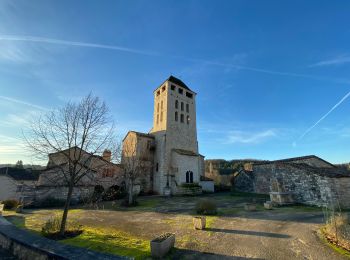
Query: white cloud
(249, 138)
(323, 117)
(335, 61)
(21, 102)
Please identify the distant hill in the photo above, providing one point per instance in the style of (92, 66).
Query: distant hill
(25, 166)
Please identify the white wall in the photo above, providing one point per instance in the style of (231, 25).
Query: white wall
(207, 186)
(8, 188)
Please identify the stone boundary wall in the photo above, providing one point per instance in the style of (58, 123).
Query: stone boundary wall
(28, 246)
(306, 187)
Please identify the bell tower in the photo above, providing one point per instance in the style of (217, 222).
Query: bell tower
(175, 114)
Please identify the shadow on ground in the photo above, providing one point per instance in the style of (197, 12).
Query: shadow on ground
(248, 232)
(180, 254)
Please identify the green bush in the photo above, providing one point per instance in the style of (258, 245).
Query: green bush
(10, 204)
(114, 193)
(206, 207)
(52, 227)
(98, 192)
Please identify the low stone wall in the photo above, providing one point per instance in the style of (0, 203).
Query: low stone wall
(207, 186)
(28, 246)
(188, 191)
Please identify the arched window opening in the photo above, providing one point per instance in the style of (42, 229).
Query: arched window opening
(189, 177)
(176, 116)
(187, 108)
(182, 106)
(182, 118)
(176, 104)
(188, 120)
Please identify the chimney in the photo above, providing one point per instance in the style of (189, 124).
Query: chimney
(107, 155)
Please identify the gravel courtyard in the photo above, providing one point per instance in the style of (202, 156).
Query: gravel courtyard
(282, 233)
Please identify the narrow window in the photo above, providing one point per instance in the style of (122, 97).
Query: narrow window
(191, 177)
(161, 116)
(158, 107)
(176, 104)
(181, 118)
(187, 177)
(176, 116)
(163, 88)
(188, 120)
(182, 106)
(172, 87)
(180, 91)
(156, 167)
(189, 95)
(161, 104)
(158, 93)
(187, 108)
(157, 119)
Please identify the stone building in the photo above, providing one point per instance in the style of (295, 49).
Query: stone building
(171, 147)
(98, 171)
(309, 179)
(16, 183)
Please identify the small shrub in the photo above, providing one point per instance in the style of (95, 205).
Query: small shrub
(10, 204)
(98, 193)
(52, 227)
(206, 207)
(114, 193)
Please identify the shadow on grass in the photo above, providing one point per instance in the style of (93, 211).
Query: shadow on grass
(180, 253)
(18, 221)
(247, 232)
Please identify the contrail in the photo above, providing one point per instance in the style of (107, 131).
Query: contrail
(150, 53)
(13, 100)
(73, 43)
(323, 117)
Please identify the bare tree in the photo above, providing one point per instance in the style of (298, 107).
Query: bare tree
(76, 133)
(136, 163)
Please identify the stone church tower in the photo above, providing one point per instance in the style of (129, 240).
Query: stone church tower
(176, 158)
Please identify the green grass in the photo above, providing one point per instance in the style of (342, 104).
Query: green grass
(333, 246)
(210, 220)
(228, 211)
(300, 208)
(249, 195)
(111, 241)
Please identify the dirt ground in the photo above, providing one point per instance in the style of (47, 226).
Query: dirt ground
(282, 233)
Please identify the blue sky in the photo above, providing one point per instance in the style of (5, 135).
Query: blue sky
(272, 77)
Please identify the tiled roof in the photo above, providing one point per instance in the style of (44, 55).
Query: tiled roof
(295, 159)
(178, 82)
(20, 174)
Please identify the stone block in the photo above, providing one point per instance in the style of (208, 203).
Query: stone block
(199, 223)
(160, 246)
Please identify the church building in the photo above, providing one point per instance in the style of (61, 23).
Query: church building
(171, 147)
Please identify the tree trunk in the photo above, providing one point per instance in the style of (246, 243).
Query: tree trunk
(131, 193)
(66, 208)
